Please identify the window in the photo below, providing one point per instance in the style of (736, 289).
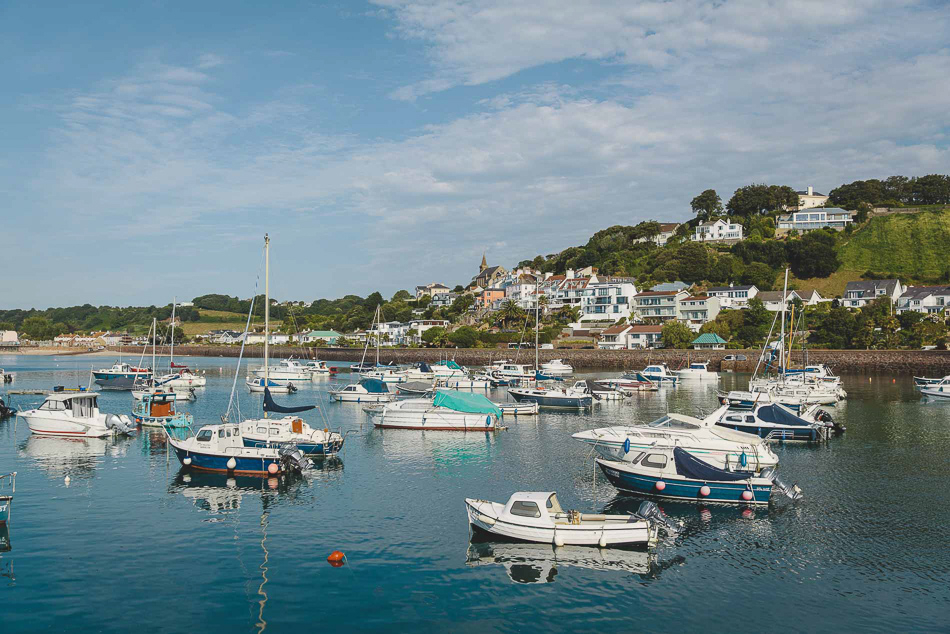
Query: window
(205, 435)
(52, 406)
(274, 431)
(220, 433)
(228, 433)
(261, 430)
(525, 509)
(655, 460)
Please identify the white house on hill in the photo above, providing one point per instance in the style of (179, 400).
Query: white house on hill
(717, 231)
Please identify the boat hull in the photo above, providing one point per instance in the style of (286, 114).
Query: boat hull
(308, 448)
(353, 397)
(219, 462)
(117, 381)
(48, 426)
(683, 489)
(6, 505)
(785, 433)
(554, 402)
(434, 420)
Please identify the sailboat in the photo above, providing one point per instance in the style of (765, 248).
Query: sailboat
(264, 383)
(147, 388)
(561, 398)
(222, 447)
(179, 377)
(382, 373)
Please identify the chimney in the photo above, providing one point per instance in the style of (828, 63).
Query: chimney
(811, 190)
(569, 274)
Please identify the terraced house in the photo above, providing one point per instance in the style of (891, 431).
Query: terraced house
(862, 292)
(733, 296)
(696, 310)
(608, 299)
(932, 300)
(661, 305)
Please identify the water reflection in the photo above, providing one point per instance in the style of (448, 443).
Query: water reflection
(75, 457)
(446, 448)
(538, 563)
(220, 493)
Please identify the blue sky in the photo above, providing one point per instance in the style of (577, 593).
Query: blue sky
(146, 149)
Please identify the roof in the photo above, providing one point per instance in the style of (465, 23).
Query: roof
(491, 270)
(619, 329)
(323, 333)
(541, 497)
(696, 298)
(670, 286)
(723, 289)
(919, 292)
(709, 337)
(647, 328)
(871, 285)
(666, 227)
(805, 193)
(68, 396)
(771, 296)
(656, 293)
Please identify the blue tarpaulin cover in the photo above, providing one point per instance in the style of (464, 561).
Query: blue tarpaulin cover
(466, 402)
(374, 386)
(692, 467)
(775, 413)
(450, 364)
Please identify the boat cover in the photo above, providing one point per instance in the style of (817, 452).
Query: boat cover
(775, 413)
(424, 367)
(544, 377)
(414, 386)
(271, 406)
(450, 364)
(692, 467)
(593, 386)
(374, 386)
(465, 402)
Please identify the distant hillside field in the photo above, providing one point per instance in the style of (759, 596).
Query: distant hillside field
(222, 320)
(910, 245)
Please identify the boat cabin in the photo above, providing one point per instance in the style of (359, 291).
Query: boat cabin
(219, 438)
(533, 507)
(84, 405)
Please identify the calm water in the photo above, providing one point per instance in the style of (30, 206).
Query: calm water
(135, 543)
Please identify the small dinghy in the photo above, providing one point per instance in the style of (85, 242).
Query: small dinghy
(519, 409)
(415, 388)
(538, 517)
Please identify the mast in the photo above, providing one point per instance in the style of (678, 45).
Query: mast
(266, 309)
(378, 318)
(537, 322)
(782, 338)
(154, 334)
(171, 353)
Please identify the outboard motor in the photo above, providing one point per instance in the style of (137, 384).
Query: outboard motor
(650, 511)
(791, 492)
(291, 459)
(119, 424)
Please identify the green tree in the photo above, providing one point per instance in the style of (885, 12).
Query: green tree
(464, 337)
(510, 313)
(435, 336)
(37, 328)
(707, 204)
(7, 325)
(755, 199)
(759, 274)
(401, 295)
(814, 255)
(676, 334)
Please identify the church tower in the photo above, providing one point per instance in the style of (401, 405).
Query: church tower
(484, 264)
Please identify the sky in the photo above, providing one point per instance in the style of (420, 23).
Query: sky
(145, 148)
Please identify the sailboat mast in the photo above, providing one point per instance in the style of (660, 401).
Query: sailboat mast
(154, 334)
(537, 322)
(171, 353)
(378, 319)
(266, 309)
(782, 338)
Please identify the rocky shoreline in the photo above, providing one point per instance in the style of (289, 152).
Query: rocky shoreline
(912, 362)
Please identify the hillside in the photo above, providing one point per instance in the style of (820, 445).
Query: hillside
(911, 246)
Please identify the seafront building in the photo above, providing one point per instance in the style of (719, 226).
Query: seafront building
(860, 293)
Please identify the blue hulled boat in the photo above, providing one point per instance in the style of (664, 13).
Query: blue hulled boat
(121, 376)
(277, 432)
(221, 448)
(676, 474)
(570, 398)
(7, 489)
(777, 422)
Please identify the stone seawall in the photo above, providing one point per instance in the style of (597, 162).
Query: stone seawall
(919, 362)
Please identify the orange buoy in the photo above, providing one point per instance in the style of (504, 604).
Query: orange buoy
(336, 559)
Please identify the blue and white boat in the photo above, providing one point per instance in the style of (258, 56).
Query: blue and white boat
(221, 448)
(277, 386)
(366, 391)
(158, 409)
(675, 474)
(938, 390)
(560, 398)
(277, 432)
(773, 421)
(121, 376)
(657, 373)
(7, 489)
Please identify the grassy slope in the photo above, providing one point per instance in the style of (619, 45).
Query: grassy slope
(911, 245)
(221, 320)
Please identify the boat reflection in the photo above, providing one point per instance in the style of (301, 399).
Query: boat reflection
(538, 563)
(75, 457)
(6, 565)
(697, 518)
(444, 447)
(5, 545)
(220, 493)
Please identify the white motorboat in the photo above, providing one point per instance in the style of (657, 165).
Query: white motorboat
(539, 563)
(317, 368)
(75, 415)
(276, 432)
(386, 375)
(538, 517)
(939, 390)
(366, 391)
(448, 370)
(799, 391)
(259, 384)
(286, 370)
(478, 382)
(773, 421)
(421, 372)
(519, 409)
(721, 447)
(182, 393)
(657, 373)
(182, 378)
(556, 367)
(447, 411)
(697, 371)
(515, 372)
(628, 386)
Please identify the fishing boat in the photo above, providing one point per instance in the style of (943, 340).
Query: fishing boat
(719, 446)
(7, 483)
(514, 372)
(448, 410)
(939, 390)
(157, 409)
(674, 473)
(697, 371)
(537, 517)
(775, 422)
(519, 409)
(277, 432)
(121, 376)
(75, 415)
(317, 368)
(556, 367)
(366, 391)
(656, 373)
(221, 448)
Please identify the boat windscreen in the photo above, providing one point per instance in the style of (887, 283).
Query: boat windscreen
(672, 423)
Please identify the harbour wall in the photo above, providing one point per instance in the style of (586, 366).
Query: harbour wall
(916, 362)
